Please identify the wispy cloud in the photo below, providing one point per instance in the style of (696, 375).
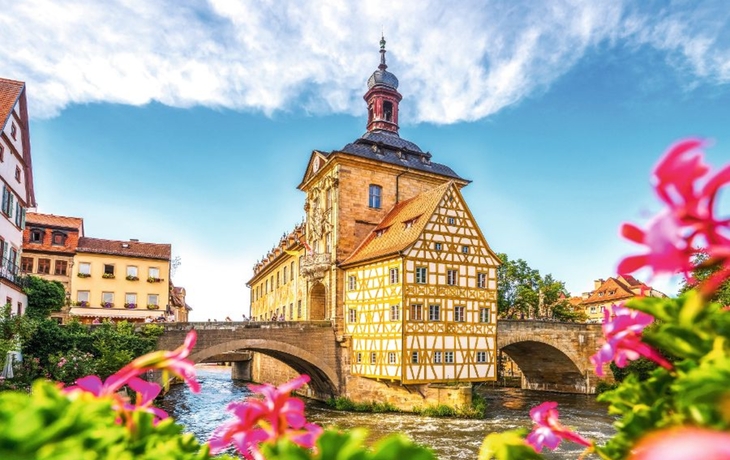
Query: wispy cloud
(461, 61)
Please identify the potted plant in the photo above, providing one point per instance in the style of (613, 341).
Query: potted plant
(132, 278)
(107, 305)
(82, 303)
(130, 305)
(108, 275)
(153, 306)
(152, 279)
(84, 275)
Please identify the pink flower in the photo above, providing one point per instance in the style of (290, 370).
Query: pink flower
(277, 415)
(168, 361)
(682, 444)
(689, 220)
(622, 328)
(548, 431)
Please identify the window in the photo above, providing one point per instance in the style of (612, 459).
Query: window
(437, 357)
(58, 238)
(434, 313)
(351, 283)
(481, 356)
(481, 280)
(3, 250)
(17, 173)
(395, 312)
(421, 275)
(459, 314)
(374, 196)
(451, 277)
(13, 259)
(108, 271)
(452, 221)
(13, 131)
(373, 357)
(36, 236)
(449, 357)
(291, 311)
(291, 270)
(85, 268)
(391, 358)
(417, 312)
(8, 202)
(484, 315)
(130, 298)
(352, 315)
(465, 249)
(19, 215)
(107, 299)
(593, 309)
(388, 110)
(283, 276)
(358, 358)
(299, 309)
(44, 266)
(414, 357)
(26, 264)
(154, 272)
(267, 287)
(437, 246)
(132, 273)
(393, 275)
(153, 299)
(82, 296)
(277, 280)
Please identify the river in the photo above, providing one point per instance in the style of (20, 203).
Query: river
(450, 439)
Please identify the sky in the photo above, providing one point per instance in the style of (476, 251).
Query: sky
(191, 122)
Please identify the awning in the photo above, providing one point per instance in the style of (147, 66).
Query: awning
(115, 312)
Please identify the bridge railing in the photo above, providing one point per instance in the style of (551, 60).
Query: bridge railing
(232, 325)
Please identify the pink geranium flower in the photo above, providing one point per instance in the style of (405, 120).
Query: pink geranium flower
(622, 328)
(277, 415)
(174, 362)
(688, 222)
(548, 431)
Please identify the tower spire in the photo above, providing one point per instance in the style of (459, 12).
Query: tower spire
(383, 97)
(382, 65)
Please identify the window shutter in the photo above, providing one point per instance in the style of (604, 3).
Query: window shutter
(22, 218)
(5, 199)
(5, 252)
(10, 203)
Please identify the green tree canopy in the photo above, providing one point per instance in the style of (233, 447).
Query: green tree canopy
(44, 297)
(703, 270)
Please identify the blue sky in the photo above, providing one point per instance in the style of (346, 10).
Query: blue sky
(191, 122)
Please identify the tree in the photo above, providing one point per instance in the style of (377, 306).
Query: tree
(44, 297)
(704, 270)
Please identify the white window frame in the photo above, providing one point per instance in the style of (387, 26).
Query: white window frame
(459, 313)
(434, 308)
(449, 357)
(452, 277)
(395, 312)
(85, 268)
(352, 315)
(351, 282)
(437, 357)
(481, 280)
(421, 275)
(484, 314)
(481, 356)
(394, 276)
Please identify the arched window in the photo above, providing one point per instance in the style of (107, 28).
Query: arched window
(388, 110)
(374, 196)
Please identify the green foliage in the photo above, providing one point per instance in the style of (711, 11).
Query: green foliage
(347, 404)
(14, 329)
(50, 426)
(333, 445)
(44, 297)
(701, 273)
(508, 445)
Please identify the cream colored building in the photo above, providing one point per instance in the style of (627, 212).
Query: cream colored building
(120, 279)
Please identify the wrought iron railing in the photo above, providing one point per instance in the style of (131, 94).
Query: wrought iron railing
(10, 271)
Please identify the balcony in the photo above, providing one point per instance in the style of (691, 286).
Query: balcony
(10, 272)
(314, 266)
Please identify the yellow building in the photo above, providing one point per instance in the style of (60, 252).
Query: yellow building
(390, 254)
(120, 279)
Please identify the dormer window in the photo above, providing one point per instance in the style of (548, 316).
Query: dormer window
(58, 239)
(409, 223)
(36, 236)
(380, 232)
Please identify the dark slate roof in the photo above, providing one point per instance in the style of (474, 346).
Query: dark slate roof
(384, 146)
(383, 77)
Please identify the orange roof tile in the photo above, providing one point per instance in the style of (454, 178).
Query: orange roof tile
(611, 290)
(392, 235)
(10, 91)
(125, 248)
(51, 220)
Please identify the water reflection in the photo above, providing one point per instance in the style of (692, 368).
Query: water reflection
(449, 438)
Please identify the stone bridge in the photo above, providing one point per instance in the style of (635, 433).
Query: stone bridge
(552, 356)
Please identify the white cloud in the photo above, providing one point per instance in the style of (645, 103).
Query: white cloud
(461, 61)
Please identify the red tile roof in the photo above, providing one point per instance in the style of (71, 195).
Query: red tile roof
(10, 91)
(392, 235)
(50, 220)
(611, 290)
(125, 248)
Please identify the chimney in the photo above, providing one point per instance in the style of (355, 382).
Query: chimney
(597, 283)
(134, 239)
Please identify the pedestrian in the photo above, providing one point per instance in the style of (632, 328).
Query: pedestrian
(228, 319)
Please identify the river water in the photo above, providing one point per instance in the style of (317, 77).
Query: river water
(450, 439)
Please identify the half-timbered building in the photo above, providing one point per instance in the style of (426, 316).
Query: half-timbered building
(390, 253)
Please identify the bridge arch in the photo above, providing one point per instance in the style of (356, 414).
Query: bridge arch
(546, 366)
(324, 379)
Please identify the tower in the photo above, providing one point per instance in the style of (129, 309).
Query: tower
(382, 97)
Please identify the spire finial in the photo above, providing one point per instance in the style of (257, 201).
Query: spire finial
(382, 65)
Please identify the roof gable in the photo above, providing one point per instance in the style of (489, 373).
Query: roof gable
(51, 220)
(316, 163)
(611, 290)
(401, 227)
(10, 91)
